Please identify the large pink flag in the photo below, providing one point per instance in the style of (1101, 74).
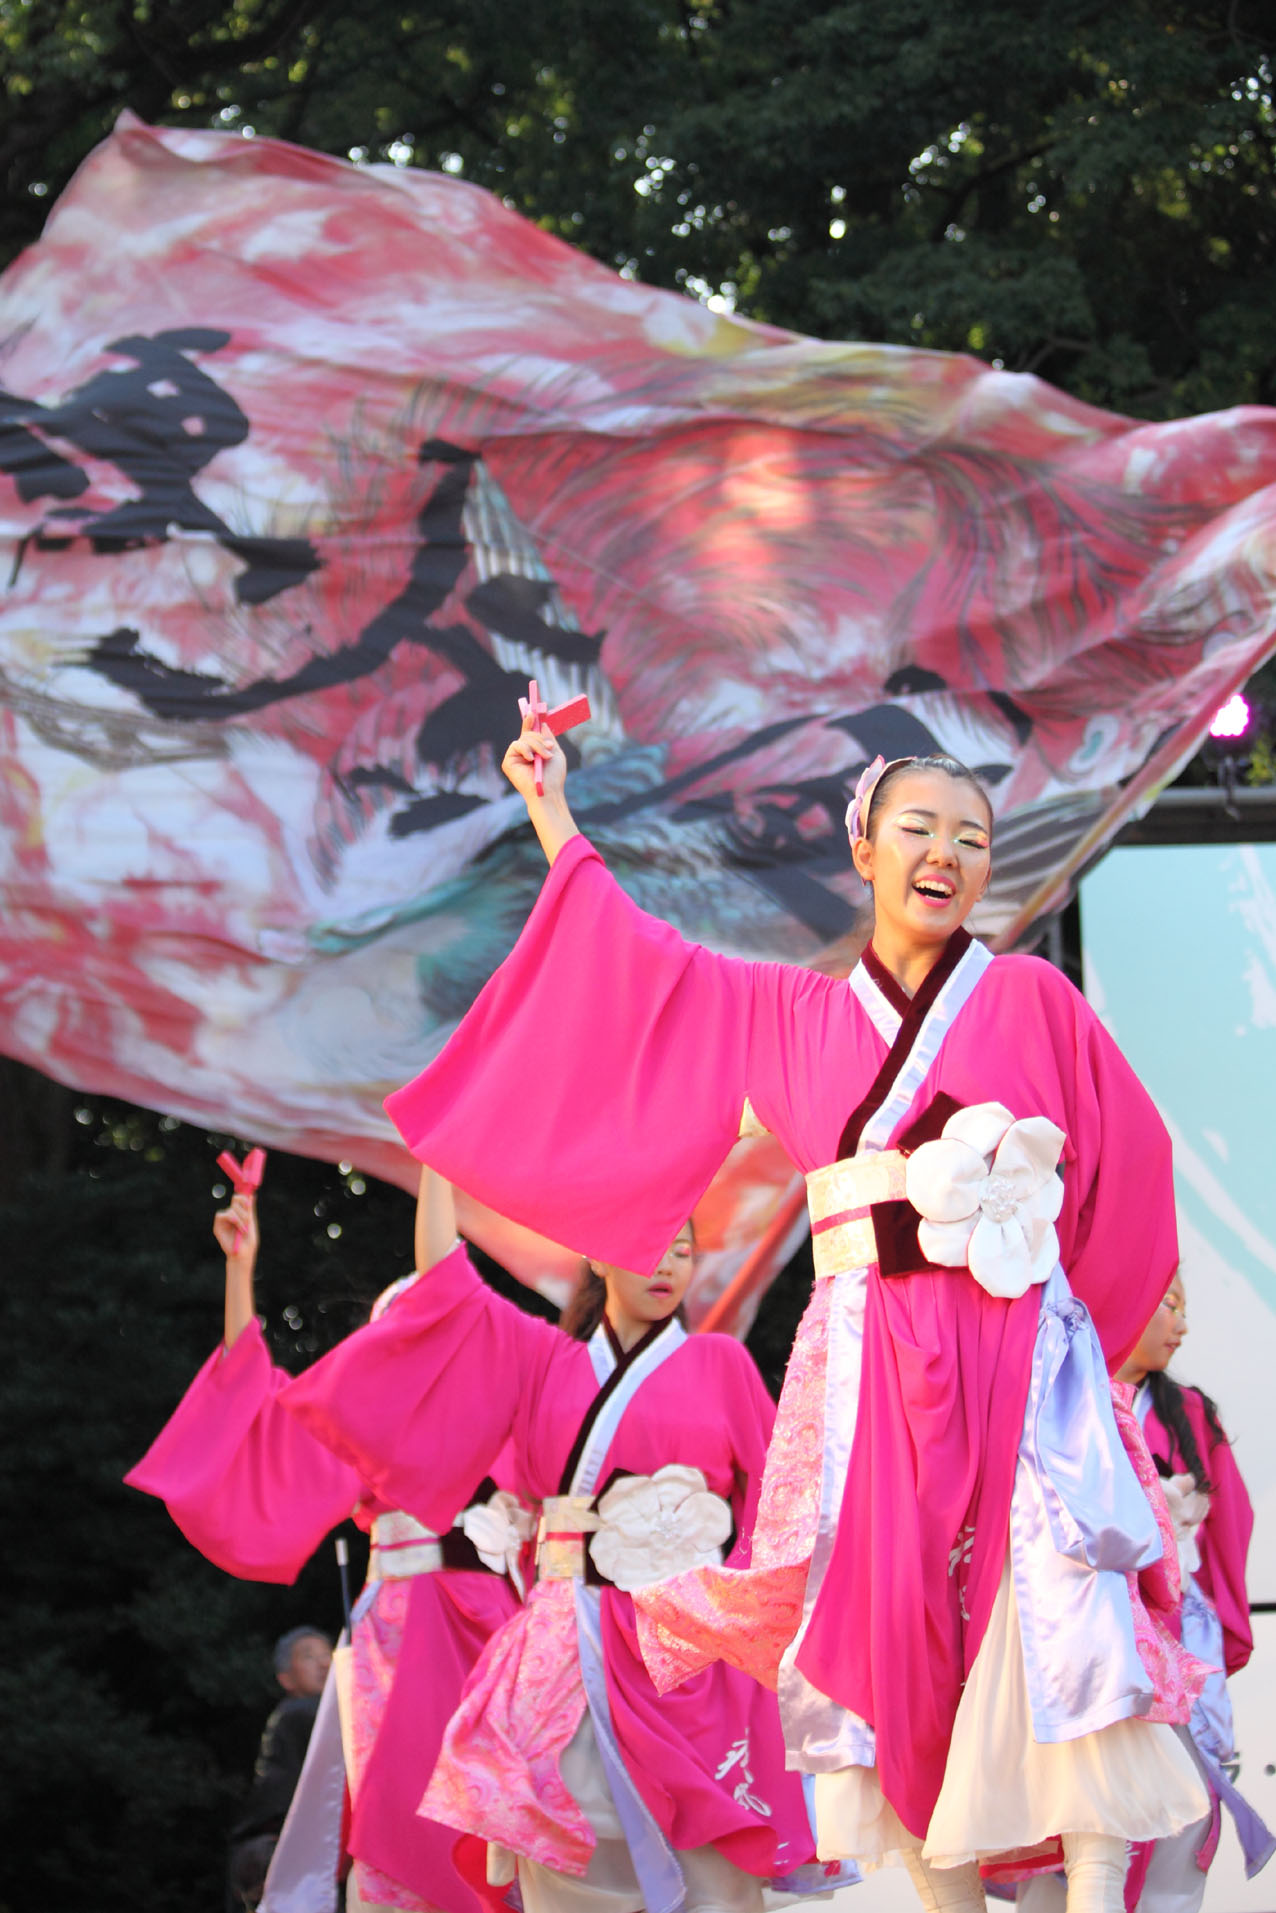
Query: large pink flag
(305, 468)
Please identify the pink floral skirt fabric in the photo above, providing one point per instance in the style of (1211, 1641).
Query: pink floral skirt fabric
(748, 1615)
(498, 1773)
(415, 1646)
(1156, 1593)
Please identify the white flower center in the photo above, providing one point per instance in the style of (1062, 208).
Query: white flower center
(668, 1525)
(997, 1198)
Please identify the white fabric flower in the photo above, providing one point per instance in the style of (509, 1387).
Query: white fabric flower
(988, 1196)
(1188, 1507)
(657, 1525)
(498, 1528)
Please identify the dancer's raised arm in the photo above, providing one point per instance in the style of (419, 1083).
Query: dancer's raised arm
(604, 1011)
(236, 1230)
(243, 1481)
(435, 1234)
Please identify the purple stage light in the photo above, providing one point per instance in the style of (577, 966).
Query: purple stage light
(1231, 719)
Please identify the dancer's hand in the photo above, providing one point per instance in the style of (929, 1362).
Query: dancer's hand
(551, 818)
(236, 1230)
(519, 763)
(235, 1227)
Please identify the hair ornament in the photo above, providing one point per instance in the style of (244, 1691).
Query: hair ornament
(870, 777)
(857, 809)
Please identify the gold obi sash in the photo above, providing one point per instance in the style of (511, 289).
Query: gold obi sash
(401, 1547)
(840, 1198)
(562, 1538)
(645, 1528)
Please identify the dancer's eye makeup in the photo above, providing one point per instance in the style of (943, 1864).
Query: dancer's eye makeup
(970, 836)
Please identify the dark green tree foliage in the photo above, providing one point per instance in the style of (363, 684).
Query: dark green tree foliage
(136, 1676)
(1082, 190)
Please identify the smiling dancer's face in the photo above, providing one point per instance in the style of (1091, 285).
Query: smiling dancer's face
(929, 857)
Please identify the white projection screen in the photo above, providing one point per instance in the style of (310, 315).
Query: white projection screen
(1179, 945)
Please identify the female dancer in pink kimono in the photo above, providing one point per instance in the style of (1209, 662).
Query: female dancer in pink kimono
(256, 1494)
(948, 1517)
(645, 1447)
(1214, 1521)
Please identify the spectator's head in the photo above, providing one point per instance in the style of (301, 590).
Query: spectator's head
(302, 1658)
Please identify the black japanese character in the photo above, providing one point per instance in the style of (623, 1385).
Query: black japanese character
(159, 422)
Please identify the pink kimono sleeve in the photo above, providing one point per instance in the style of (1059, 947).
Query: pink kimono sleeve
(598, 1081)
(1223, 1540)
(1124, 1238)
(422, 1401)
(244, 1481)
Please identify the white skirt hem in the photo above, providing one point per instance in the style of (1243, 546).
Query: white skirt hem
(1004, 1791)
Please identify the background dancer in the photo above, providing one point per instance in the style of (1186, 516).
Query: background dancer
(965, 1294)
(646, 1447)
(1214, 1521)
(256, 1494)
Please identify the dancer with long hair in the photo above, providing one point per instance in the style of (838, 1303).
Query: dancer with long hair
(939, 1574)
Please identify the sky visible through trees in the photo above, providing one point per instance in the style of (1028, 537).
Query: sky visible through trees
(1079, 190)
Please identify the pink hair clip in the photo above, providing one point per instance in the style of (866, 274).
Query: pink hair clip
(857, 809)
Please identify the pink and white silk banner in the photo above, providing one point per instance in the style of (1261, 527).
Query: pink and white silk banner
(306, 468)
